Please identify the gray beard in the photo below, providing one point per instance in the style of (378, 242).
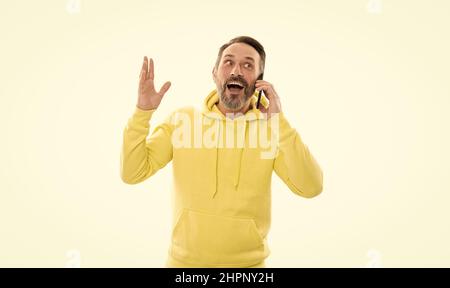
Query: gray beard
(235, 103)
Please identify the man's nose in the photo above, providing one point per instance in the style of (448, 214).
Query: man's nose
(236, 71)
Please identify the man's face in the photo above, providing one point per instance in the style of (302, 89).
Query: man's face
(236, 75)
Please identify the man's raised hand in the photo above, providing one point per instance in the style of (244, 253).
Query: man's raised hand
(148, 97)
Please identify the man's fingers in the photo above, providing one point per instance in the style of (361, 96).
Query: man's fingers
(151, 73)
(265, 88)
(164, 88)
(262, 83)
(143, 74)
(144, 64)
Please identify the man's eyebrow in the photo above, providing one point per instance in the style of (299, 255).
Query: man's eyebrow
(246, 57)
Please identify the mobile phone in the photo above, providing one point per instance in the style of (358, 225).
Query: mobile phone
(260, 92)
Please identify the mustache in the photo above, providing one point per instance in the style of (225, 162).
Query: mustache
(237, 79)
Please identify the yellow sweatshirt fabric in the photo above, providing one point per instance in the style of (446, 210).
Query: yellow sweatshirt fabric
(222, 195)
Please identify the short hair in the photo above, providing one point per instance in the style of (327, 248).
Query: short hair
(249, 41)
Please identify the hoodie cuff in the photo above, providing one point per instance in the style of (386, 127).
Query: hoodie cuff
(142, 117)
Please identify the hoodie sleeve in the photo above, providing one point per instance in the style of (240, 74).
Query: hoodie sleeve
(294, 164)
(141, 158)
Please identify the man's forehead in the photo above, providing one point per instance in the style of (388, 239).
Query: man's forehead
(241, 50)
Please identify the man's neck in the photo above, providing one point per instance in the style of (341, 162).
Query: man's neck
(232, 113)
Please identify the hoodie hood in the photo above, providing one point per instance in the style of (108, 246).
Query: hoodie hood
(211, 110)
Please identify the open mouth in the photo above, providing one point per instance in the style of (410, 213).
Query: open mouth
(235, 87)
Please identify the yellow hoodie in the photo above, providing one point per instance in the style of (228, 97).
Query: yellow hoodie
(222, 203)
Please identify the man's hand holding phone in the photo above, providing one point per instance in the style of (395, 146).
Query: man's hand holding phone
(271, 94)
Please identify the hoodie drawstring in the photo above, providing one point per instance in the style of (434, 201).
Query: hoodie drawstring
(238, 172)
(217, 157)
(237, 175)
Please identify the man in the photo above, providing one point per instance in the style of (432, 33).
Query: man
(222, 176)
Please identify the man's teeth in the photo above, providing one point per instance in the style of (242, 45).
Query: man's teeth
(236, 83)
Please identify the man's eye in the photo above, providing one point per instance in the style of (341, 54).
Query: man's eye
(227, 61)
(248, 65)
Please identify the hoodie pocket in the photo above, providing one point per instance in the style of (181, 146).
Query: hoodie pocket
(207, 239)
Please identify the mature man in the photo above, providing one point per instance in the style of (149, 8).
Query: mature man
(221, 167)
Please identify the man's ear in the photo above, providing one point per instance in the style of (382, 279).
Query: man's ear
(214, 74)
